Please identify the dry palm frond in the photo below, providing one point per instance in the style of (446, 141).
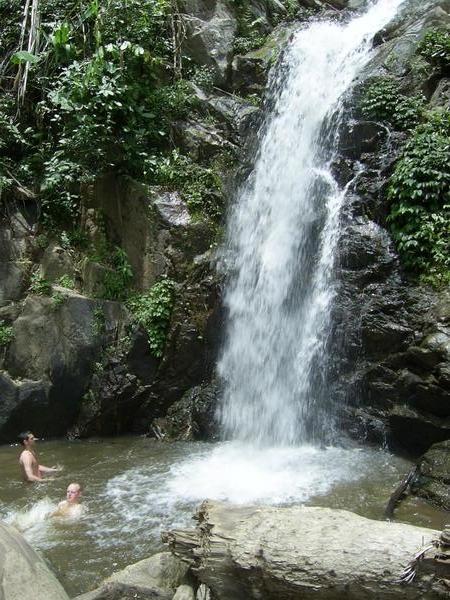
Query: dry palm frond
(410, 570)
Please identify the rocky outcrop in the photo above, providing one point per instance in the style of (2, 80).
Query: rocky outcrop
(191, 418)
(393, 380)
(47, 366)
(159, 576)
(433, 482)
(23, 574)
(302, 552)
(15, 231)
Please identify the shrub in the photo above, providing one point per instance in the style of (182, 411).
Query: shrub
(117, 281)
(40, 286)
(6, 334)
(383, 101)
(419, 190)
(199, 185)
(153, 311)
(435, 48)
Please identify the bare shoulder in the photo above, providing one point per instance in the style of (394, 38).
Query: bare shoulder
(26, 457)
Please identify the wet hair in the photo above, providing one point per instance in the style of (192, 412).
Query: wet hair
(80, 487)
(22, 437)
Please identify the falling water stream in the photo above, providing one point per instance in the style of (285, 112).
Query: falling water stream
(276, 416)
(282, 238)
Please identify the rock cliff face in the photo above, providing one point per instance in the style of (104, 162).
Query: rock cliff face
(394, 384)
(71, 361)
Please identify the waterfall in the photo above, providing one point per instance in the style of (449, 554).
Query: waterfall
(282, 237)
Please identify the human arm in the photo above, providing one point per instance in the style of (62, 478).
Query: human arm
(44, 470)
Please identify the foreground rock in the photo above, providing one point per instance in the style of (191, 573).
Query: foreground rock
(156, 577)
(433, 483)
(23, 574)
(303, 552)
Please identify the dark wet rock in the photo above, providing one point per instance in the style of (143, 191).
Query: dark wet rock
(200, 140)
(23, 405)
(415, 431)
(191, 418)
(194, 335)
(23, 574)
(433, 482)
(49, 362)
(359, 137)
(230, 110)
(250, 71)
(153, 226)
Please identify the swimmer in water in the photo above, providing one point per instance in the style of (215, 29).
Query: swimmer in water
(28, 460)
(71, 507)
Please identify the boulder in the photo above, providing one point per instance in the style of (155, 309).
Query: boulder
(156, 577)
(210, 28)
(184, 592)
(250, 71)
(254, 552)
(236, 113)
(433, 483)
(200, 140)
(49, 362)
(14, 231)
(23, 574)
(191, 418)
(56, 262)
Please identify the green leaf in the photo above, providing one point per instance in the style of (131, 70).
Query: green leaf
(23, 56)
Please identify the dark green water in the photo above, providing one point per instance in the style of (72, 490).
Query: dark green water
(135, 488)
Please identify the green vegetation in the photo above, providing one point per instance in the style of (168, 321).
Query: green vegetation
(420, 194)
(57, 300)
(199, 185)
(39, 285)
(99, 321)
(419, 188)
(6, 334)
(250, 31)
(153, 311)
(67, 282)
(435, 48)
(98, 93)
(383, 101)
(116, 282)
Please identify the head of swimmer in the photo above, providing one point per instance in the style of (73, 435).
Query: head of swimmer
(27, 439)
(73, 494)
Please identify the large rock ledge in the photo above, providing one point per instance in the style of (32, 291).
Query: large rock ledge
(306, 553)
(23, 574)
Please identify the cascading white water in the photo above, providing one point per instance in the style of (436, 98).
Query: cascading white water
(282, 237)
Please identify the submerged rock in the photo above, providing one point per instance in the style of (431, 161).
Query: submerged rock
(23, 574)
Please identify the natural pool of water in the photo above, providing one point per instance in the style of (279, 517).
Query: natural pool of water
(135, 488)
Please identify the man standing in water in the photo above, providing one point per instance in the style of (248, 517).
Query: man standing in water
(70, 507)
(28, 460)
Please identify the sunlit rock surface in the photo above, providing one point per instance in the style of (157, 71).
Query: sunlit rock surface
(23, 574)
(250, 552)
